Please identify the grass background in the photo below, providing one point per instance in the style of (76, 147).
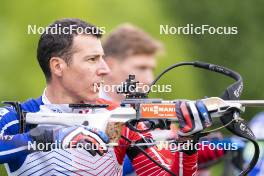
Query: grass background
(242, 52)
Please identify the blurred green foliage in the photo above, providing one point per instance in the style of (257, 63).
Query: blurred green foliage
(21, 77)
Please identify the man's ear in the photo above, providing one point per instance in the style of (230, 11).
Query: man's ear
(57, 65)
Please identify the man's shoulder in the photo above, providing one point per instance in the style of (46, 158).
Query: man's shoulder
(30, 105)
(7, 113)
(9, 120)
(5, 110)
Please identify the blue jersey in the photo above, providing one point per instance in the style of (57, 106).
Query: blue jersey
(13, 150)
(19, 161)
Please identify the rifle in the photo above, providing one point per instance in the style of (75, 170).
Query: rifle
(158, 113)
(149, 110)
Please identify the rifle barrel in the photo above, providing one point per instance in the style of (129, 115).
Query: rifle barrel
(248, 103)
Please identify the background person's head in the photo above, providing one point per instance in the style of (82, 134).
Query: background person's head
(72, 60)
(130, 50)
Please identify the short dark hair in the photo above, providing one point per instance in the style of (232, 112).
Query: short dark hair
(128, 40)
(59, 43)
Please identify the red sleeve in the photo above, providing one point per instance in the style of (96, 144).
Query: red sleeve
(182, 164)
(179, 162)
(120, 152)
(185, 165)
(206, 154)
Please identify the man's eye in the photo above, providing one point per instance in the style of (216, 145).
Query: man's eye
(143, 68)
(91, 59)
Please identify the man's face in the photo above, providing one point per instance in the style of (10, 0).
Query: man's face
(142, 66)
(86, 69)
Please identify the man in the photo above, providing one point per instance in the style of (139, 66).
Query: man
(73, 65)
(129, 50)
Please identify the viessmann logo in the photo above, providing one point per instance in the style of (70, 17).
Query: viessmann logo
(157, 110)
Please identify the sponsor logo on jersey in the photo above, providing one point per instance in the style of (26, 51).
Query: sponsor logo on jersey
(158, 110)
(6, 137)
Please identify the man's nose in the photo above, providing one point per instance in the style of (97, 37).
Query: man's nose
(149, 77)
(103, 68)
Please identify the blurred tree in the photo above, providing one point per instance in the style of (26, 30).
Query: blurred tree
(242, 52)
